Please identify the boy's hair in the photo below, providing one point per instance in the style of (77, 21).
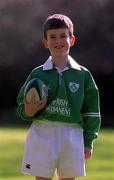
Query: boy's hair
(57, 21)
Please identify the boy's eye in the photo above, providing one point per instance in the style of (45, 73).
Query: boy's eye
(63, 36)
(52, 37)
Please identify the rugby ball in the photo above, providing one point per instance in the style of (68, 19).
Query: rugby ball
(37, 88)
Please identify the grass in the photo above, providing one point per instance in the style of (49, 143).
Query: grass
(99, 167)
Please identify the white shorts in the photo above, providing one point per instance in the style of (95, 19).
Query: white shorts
(54, 147)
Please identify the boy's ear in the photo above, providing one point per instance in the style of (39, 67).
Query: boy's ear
(45, 43)
(72, 40)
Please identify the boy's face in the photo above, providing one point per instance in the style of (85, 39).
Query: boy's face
(59, 42)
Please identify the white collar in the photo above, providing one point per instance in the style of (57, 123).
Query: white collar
(48, 65)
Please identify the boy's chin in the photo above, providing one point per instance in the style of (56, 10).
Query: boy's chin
(59, 55)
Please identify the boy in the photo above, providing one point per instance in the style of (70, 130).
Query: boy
(62, 133)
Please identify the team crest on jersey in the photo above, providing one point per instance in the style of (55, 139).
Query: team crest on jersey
(73, 87)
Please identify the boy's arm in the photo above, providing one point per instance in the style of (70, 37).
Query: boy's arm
(23, 105)
(20, 100)
(26, 110)
(90, 111)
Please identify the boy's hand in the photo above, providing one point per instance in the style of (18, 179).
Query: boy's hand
(34, 106)
(88, 152)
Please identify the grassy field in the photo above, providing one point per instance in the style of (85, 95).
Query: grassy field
(99, 167)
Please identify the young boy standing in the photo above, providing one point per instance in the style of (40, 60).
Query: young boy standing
(62, 132)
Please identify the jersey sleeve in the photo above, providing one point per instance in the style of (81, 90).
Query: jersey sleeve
(90, 110)
(20, 98)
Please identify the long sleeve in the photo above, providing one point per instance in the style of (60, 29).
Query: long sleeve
(90, 110)
(20, 97)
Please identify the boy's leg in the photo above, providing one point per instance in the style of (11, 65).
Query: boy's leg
(71, 162)
(42, 178)
(67, 178)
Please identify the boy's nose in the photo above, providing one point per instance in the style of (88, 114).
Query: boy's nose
(58, 39)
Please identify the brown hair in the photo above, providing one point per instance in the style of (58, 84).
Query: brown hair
(57, 21)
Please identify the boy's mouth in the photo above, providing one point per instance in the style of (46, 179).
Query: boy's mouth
(59, 47)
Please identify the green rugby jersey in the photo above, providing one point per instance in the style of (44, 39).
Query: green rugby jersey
(73, 97)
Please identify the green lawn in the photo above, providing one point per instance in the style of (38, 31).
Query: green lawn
(99, 167)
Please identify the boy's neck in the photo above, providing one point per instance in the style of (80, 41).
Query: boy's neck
(60, 62)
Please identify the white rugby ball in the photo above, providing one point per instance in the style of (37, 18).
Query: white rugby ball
(37, 88)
